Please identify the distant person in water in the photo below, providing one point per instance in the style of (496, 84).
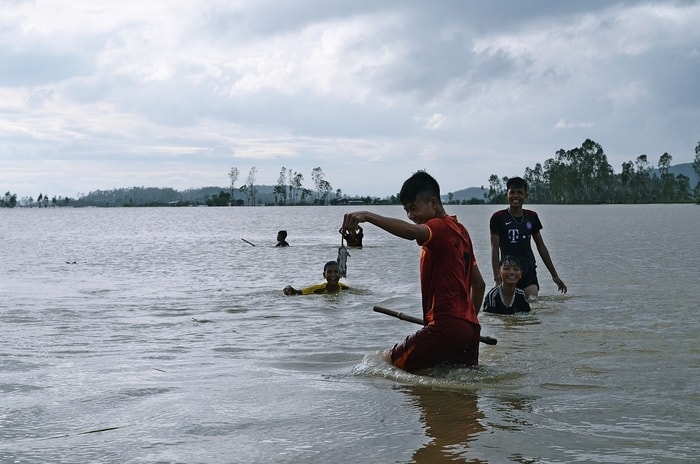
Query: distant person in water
(506, 297)
(332, 284)
(511, 231)
(354, 237)
(282, 239)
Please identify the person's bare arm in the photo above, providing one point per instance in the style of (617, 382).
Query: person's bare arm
(289, 290)
(478, 287)
(547, 260)
(394, 226)
(495, 257)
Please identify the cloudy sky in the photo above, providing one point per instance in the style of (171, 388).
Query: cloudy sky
(103, 94)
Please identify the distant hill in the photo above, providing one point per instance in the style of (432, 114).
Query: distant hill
(684, 168)
(467, 194)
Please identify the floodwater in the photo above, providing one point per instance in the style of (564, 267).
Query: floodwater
(154, 335)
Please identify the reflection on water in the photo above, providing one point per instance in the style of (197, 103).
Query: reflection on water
(451, 420)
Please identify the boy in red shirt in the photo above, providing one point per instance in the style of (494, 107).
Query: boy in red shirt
(452, 287)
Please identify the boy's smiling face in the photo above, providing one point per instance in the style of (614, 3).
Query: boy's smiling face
(332, 275)
(420, 211)
(510, 273)
(516, 196)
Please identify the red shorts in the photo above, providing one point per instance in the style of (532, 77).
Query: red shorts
(455, 341)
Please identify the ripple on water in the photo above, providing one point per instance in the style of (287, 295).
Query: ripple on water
(441, 377)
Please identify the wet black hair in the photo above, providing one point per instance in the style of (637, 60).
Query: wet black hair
(329, 264)
(509, 259)
(283, 233)
(421, 184)
(516, 182)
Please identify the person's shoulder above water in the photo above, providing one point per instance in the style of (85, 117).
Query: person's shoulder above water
(493, 303)
(282, 239)
(322, 288)
(506, 297)
(331, 273)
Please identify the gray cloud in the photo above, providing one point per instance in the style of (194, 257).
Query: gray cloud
(160, 94)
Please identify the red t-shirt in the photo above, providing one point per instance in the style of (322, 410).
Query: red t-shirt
(446, 266)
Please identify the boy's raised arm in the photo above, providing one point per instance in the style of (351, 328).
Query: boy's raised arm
(394, 226)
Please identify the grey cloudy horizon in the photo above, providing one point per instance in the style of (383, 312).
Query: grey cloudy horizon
(111, 94)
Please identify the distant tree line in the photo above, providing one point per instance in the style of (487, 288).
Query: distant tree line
(9, 200)
(579, 175)
(288, 191)
(584, 176)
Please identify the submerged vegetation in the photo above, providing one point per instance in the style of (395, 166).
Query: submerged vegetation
(580, 175)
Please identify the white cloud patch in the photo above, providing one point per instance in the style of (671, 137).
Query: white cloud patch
(563, 124)
(433, 122)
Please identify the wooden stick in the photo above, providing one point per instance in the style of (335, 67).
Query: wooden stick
(415, 320)
(251, 244)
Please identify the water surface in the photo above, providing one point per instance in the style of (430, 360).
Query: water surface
(150, 335)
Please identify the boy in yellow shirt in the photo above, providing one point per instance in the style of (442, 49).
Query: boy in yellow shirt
(332, 284)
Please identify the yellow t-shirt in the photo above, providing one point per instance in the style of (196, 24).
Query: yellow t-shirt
(321, 288)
